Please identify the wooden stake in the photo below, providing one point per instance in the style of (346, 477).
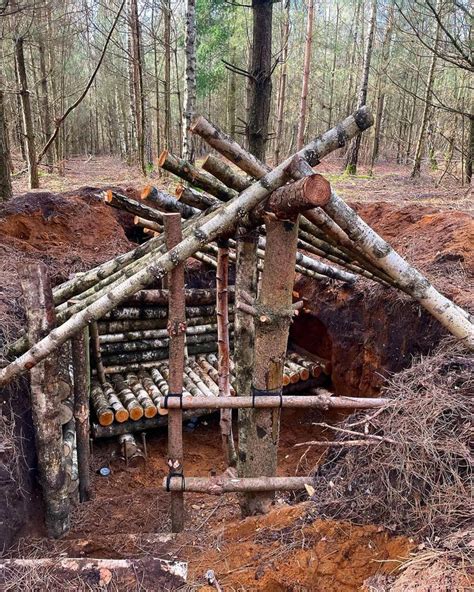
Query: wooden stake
(81, 369)
(45, 400)
(177, 336)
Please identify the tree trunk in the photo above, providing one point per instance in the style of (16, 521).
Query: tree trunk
(27, 116)
(415, 172)
(381, 88)
(190, 81)
(231, 99)
(5, 179)
(285, 35)
(353, 152)
(45, 105)
(136, 70)
(45, 401)
(333, 68)
(306, 71)
(258, 441)
(166, 8)
(177, 336)
(470, 151)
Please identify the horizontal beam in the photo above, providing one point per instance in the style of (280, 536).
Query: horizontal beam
(224, 484)
(270, 401)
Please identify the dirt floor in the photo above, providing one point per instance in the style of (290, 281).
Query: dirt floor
(291, 549)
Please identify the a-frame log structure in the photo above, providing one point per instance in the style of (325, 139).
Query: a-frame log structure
(135, 330)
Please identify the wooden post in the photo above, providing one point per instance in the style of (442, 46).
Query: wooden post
(258, 442)
(223, 345)
(177, 336)
(95, 343)
(81, 369)
(45, 400)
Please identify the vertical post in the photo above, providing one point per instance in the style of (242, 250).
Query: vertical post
(81, 369)
(95, 342)
(45, 400)
(223, 345)
(271, 337)
(177, 335)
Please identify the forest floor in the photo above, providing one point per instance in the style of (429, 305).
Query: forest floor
(291, 549)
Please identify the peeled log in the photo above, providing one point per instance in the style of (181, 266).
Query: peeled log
(204, 230)
(114, 574)
(196, 177)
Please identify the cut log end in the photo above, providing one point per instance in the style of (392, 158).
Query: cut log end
(136, 413)
(109, 196)
(317, 190)
(162, 158)
(150, 412)
(146, 191)
(121, 415)
(179, 190)
(106, 418)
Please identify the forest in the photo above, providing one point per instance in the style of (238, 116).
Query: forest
(236, 295)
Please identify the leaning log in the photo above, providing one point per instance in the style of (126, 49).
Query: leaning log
(204, 230)
(195, 176)
(167, 203)
(123, 202)
(147, 224)
(224, 173)
(86, 573)
(45, 400)
(194, 198)
(386, 258)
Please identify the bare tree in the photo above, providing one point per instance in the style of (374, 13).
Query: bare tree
(190, 80)
(5, 179)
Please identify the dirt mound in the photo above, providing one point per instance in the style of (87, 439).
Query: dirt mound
(369, 331)
(69, 232)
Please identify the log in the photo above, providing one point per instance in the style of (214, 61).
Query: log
(123, 202)
(212, 386)
(313, 368)
(167, 203)
(153, 390)
(223, 349)
(69, 438)
(81, 374)
(224, 173)
(326, 365)
(65, 411)
(45, 400)
(201, 384)
(117, 574)
(158, 334)
(96, 353)
(292, 374)
(223, 484)
(100, 404)
(193, 297)
(206, 229)
(194, 198)
(126, 397)
(317, 401)
(143, 313)
(196, 177)
(120, 413)
(154, 344)
(149, 408)
(112, 327)
(147, 224)
(258, 437)
(303, 373)
(177, 336)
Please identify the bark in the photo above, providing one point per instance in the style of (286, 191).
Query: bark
(282, 85)
(96, 352)
(470, 151)
(194, 198)
(353, 152)
(152, 390)
(188, 148)
(120, 413)
(231, 97)
(193, 296)
(100, 404)
(126, 397)
(137, 82)
(154, 334)
(123, 202)
(204, 230)
(166, 202)
(81, 369)
(306, 72)
(193, 175)
(5, 178)
(263, 486)
(157, 312)
(153, 344)
(333, 68)
(45, 103)
(119, 574)
(381, 87)
(415, 172)
(147, 224)
(258, 439)
(144, 399)
(177, 335)
(260, 77)
(166, 8)
(223, 348)
(27, 117)
(45, 401)
(113, 327)
(224, 173)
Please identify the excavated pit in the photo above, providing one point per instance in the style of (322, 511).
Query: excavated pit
(367, 331)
